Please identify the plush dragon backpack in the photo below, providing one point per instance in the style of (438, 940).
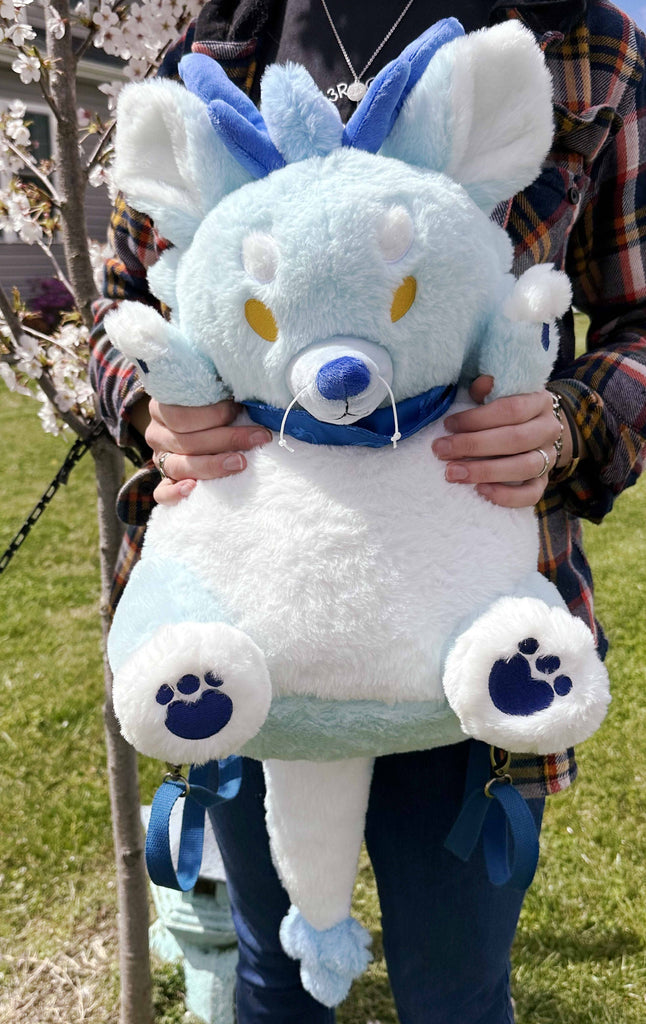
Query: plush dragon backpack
(339, 599)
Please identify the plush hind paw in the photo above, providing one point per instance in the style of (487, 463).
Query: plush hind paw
(330, 959)
(205, 715)
(192, 693)
(526, 677)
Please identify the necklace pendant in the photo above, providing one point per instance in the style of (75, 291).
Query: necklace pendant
(356, 91)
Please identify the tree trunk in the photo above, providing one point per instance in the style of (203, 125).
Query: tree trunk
(60, 90)
(122, 774)
(70, 172)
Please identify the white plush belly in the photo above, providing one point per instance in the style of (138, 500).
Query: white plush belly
(349, 567)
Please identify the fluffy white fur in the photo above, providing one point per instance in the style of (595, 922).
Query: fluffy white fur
(196, 648)
(494, 636)
(138, 331)
(350, 567)
(168, 159)
(499, 111)
(315, 815)
(541, 294)
(485, 104)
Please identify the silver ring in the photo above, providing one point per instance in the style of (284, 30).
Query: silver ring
(546, 463)
(160, 465)
(557, 410)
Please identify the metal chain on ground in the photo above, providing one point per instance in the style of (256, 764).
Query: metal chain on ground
(75, 454)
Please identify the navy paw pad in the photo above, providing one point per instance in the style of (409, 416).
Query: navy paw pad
(513, 687)
(197, 719)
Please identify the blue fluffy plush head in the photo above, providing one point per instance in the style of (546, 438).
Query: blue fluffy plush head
(342, 266)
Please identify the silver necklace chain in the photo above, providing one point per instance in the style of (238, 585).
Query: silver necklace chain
(357, 89)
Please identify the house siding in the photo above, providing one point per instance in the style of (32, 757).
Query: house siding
(23, 266)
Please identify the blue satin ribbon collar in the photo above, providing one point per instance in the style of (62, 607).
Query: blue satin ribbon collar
(373, 431)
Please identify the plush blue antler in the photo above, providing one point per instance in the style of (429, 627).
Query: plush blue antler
(240, 124)
(234, 117)
(373, 119)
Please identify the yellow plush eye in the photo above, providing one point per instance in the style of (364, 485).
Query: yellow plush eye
(403, 298)
(261, 319)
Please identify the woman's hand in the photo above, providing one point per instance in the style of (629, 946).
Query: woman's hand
(496, 446)
(200, 444)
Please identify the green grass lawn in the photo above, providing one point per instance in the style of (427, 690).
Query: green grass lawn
(580, 953)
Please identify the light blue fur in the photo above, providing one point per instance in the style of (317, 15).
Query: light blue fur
(309, 728)
(157, 592)
(330, 959)
(322, 210)
(300, 120)
(181, 376)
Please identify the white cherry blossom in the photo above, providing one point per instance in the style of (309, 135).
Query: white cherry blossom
(54, 22)
(28, 352)
(28, 68)
(105, 18)
(17, 108)
(137, 34)
(47, 416)
(10, 379)
(18, 132)
(19, 33)
(98, 176)
(111, 90)
(30, 231)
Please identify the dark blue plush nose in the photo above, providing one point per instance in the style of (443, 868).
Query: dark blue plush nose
(341, 378)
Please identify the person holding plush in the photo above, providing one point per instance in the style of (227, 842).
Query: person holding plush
(447, 930)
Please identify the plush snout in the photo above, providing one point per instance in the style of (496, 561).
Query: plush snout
(343, 378)
(340, 380)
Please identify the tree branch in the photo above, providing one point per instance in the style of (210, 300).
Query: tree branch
(33, 167)
(45, 382)
(80, 427)
(86, 43)
(11, 318)
(98, 151)
(56, 265)
(50, 340)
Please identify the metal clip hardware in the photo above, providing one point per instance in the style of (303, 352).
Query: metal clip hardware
(174, 774)
(500, 760)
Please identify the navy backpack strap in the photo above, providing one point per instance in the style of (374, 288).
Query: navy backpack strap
(495, 810)
(207, 785)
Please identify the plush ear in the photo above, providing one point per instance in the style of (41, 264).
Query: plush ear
(169, 163)
(481, 113)
(301, 121)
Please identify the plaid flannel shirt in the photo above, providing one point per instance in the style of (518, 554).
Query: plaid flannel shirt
(586, 213)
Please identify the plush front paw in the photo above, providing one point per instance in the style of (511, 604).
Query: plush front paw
(192, 693)
(171, 370)
(526, 677)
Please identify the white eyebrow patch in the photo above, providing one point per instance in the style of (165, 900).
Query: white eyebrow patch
(260, 256)
(395, 233)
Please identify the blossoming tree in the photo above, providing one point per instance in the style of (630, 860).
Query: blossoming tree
(43, 204)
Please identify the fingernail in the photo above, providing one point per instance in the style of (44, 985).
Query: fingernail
(186, 487)
(485, 490)
(233, 463)
(260, 437)
(457, 473)
(442, 447)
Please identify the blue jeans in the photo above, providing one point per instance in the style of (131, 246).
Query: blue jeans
(447, 931)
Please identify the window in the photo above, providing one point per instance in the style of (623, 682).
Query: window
(40, 121)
